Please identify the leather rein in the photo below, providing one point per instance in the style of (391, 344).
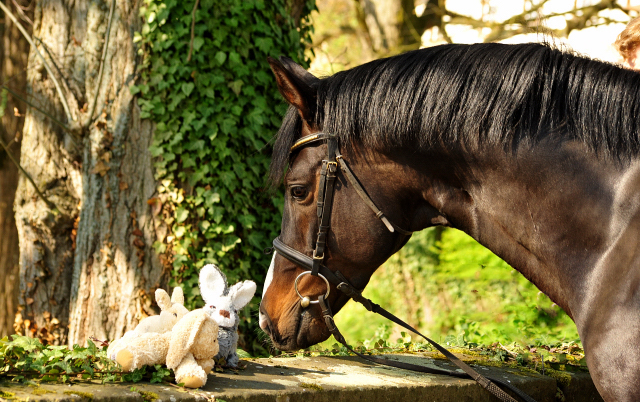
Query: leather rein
(315, 267)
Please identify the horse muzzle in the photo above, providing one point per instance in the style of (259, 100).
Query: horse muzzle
(264, 321)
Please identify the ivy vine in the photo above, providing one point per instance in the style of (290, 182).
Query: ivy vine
(215, 116)
(26, 359)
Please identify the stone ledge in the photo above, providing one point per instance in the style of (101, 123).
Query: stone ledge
(326, 379)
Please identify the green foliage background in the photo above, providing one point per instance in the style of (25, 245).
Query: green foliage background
(215, 116)
(456, 291)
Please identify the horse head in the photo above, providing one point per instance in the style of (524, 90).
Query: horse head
(355, 254)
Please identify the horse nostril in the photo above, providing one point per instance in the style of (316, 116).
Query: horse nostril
(225, 313)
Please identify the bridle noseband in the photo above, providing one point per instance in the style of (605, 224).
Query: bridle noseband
(315, 266)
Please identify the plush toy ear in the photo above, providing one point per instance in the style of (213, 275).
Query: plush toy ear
(177, 296)
(163, 299)
(213, 283)
(183, 335)
(241, 293)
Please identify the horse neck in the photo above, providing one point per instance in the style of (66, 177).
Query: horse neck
(553, 212)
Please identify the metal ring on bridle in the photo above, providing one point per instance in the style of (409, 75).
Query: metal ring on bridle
(305, 299)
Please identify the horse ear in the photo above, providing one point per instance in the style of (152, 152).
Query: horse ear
(295, 68)
(294, 86)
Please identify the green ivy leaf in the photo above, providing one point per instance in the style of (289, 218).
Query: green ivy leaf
(27, 343)
(220, 57)
(264, 44)
(236, 86)
(181, 215)
(187, 88)
(179, 231)
(197, 43)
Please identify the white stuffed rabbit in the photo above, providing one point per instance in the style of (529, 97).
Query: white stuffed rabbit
(224, 303)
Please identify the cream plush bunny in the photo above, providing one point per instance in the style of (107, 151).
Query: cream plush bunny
(148, 343)
(225, 302)
(194, 340)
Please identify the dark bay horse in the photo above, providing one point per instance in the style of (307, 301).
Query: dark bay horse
(531, 150)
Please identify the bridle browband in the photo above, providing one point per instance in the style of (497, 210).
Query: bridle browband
(315, 266)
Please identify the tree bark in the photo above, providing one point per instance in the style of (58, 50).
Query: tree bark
(14, 50)
(88, 267)
(392, 26)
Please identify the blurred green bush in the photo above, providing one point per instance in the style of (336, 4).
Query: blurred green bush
(454, 290)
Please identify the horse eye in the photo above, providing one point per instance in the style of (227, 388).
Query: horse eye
(298, 192)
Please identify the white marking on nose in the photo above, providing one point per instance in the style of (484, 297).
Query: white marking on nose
(261, 318)
(269, 277)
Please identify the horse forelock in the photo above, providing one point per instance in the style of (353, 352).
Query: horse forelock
(476, 94)
(289, 131)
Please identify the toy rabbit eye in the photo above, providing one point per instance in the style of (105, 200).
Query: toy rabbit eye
(212, 306)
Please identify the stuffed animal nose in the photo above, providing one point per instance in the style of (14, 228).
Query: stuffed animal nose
(225, 313)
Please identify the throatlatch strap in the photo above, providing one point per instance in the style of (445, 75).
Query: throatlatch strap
(365, 197)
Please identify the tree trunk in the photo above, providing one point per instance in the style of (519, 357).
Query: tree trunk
(381, 21)
(87, 266)
(14, 50)
(392, 26)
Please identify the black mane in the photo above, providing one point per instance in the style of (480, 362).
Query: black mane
(476, 94)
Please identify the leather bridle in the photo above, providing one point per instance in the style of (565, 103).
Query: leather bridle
(315, 266)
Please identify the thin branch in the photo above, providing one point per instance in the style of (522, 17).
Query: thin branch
(589, 12)
(417, 37)
(507, 350)
(525, 19)
(50, 204)
(53, 61)
(340, 30)
(193, 28)
(58, 122)
(102, 59)
(44, 62)
(443, 31)
(21, 12)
